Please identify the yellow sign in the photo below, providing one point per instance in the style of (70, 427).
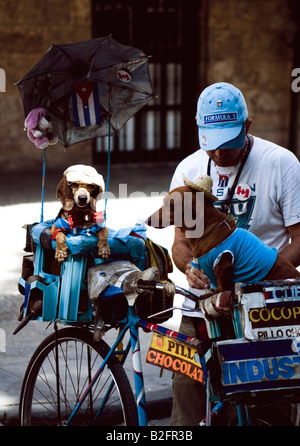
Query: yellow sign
(286, 314)
(176, 356)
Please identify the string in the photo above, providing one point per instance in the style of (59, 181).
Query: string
(108, 153)
(108, 169)
(43, 185)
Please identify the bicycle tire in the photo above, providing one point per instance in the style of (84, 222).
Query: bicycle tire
(79, 359)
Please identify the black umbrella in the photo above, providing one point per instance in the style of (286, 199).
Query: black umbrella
(89, 88)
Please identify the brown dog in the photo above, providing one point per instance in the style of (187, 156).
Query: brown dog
(213, 247)
(78, 192)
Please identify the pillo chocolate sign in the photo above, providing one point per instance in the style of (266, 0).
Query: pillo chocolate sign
(175, 356)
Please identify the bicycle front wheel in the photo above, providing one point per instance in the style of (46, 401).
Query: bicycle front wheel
(51, 389)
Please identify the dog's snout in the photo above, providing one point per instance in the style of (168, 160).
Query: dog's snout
(82, 197)
(155, 220)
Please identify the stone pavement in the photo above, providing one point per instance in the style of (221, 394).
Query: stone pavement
(20, 204)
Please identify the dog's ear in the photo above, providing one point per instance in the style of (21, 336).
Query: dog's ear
(171, 211)
(96, 191)
(65, 194)
(94, 195)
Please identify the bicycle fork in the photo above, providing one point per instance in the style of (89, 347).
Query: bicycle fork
(138, 376)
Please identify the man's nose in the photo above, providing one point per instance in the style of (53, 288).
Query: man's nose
(220, 154)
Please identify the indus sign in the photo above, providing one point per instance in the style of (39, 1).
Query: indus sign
(262, 365)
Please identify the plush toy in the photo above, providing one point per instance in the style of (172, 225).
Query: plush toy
(39, 129)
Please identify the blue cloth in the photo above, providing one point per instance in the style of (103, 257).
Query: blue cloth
(252, 258)
(123, 233)
(122, 244)
(93, 230)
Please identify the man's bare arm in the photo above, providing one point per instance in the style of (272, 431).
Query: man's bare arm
(292, 251)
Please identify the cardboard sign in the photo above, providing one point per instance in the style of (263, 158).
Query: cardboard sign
(257, 366)
(276, 320)
(273, 314)
(175, 356)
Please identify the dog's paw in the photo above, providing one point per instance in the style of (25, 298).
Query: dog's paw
(103, 251)
(61, 254)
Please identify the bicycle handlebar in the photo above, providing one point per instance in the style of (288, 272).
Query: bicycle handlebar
(149, 284)
(169, 287)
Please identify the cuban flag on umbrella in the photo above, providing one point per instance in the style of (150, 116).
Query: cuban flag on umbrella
(86, 105)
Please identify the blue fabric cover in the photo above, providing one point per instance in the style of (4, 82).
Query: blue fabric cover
(252, 260)
(122, 244)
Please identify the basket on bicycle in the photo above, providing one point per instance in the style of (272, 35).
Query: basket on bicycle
(265, 356)
(64, 295)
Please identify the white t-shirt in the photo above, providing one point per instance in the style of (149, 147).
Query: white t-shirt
(267, 196)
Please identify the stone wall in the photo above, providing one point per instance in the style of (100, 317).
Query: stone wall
(249, 44)
(28, 28)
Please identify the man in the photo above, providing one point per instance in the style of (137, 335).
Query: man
(256, 182)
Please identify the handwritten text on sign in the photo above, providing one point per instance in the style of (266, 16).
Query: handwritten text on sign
(175, 356)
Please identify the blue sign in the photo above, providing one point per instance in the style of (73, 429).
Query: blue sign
(263, 365)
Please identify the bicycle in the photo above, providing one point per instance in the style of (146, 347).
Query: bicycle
(51, 387)
(74, 380)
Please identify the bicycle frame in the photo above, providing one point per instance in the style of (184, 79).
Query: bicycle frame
(133, 325)
(75, 268)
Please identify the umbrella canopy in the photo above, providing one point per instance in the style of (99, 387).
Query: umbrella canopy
(89, 88)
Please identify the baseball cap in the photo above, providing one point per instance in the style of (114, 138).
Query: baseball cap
(221, 114)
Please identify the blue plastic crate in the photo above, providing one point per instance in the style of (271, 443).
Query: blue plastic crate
(61, 294)
(72, 285)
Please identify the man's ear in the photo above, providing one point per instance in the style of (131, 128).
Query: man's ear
(248, 125)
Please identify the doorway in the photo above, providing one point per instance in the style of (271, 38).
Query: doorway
(167, 31)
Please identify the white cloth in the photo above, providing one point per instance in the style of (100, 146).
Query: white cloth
(267, 198)
(84, 174)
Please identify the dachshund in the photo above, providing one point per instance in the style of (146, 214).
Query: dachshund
(225, 253)
(78, 191)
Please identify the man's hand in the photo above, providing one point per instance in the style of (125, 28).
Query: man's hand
(196, 278)
(182, 256)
